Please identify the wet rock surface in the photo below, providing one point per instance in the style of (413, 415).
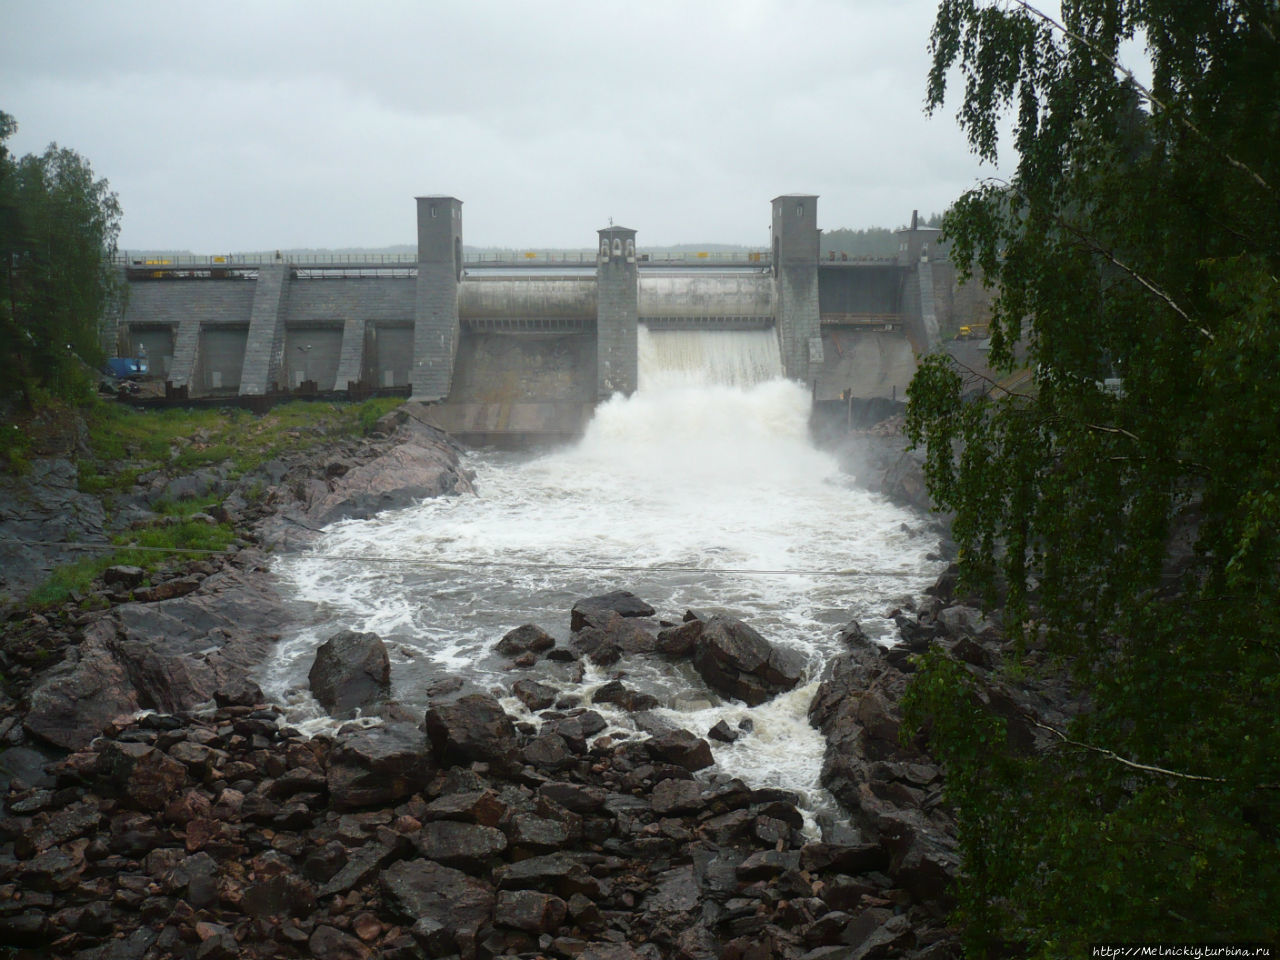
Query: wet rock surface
(227, 833)
(209, 828)
(351, 673)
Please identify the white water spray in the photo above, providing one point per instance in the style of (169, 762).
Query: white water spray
(706, 472)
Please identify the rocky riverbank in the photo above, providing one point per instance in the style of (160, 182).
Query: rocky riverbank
(209, 828)
(224, 833)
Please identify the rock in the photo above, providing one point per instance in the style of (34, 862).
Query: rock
(606, 635)
(627, 699)
(482, 807)
(575, 797)
(529, 833)
(168, 590)
(330, 943)
(534, 695)
(724, 733)
(238, 692)
(284, 895)
(558, 872)
(43, 506)
(576, 730)
(72, 702)
(473, 727)
(466, 846)
(123, 576)
(922, 858)
(680, 641)
(453, 904)
(529, 638)
(549, 752)
(363, 864)
(735, 660)
(351, 673)
(529, 910)
(682, 748)
(379, 765)
(142, 775)
(676, 796)
(424, 464)
(620, 601)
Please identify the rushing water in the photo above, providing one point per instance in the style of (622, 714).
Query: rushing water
(701, 490)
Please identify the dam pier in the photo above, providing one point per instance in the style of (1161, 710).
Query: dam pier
(509, 351)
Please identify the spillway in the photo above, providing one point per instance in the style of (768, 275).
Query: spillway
(701, 490)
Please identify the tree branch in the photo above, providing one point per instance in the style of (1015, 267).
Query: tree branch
(1133, 764)
(1146, 92)
(1111, 258)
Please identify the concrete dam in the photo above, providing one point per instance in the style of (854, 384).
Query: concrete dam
(523, 349)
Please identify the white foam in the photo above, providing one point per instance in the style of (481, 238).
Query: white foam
(712, 482)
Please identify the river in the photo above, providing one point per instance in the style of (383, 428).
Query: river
(702, 490)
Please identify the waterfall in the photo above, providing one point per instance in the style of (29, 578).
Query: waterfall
(734, 358)
(702, 490)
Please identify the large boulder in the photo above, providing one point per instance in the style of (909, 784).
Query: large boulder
(473, 727)
(422, 463)
(75, 700)
(380, 765)
(445, 906)
(169, 656)
(604, 636)
(736, 661)
(621, 602)
(351, 673)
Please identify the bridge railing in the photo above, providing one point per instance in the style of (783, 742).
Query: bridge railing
(506, 258)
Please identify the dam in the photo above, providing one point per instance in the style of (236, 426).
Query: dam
(512, 350)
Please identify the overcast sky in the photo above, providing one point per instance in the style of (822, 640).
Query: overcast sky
(250, 126)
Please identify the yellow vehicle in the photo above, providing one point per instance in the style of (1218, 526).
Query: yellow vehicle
(964, 333)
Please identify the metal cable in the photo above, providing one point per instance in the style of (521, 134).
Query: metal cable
(468, 564)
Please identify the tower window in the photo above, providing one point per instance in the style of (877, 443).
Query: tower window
(799, 209)
(434, 212)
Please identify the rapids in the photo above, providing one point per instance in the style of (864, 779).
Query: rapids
(701, 490)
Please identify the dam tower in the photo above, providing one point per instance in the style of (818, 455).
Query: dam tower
(795, 276)
(617, 312)
(435, 319)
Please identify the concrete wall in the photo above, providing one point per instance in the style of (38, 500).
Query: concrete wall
(527, 297)
(460, 340)
(221, 360)
(435, 311)
(867, 363)
(796, 242)
(158, 342)
(311, 353)
(509, 386)
(693, 297)
(861, 289)
(369, 298)
(389, 355)
(171, 301)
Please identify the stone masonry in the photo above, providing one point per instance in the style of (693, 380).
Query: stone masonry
(435, 319)
(266, 331)
(617, 312)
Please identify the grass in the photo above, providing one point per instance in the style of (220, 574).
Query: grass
(149, 548)
(126, 443)
(180, 440)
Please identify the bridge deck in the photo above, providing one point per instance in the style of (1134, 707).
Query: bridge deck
(189, 263)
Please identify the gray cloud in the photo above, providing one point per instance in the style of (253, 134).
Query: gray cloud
(255, 126)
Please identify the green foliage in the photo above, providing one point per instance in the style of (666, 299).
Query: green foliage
(126, 443)
(149, 548)
(1139, 239)
(58, 229)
